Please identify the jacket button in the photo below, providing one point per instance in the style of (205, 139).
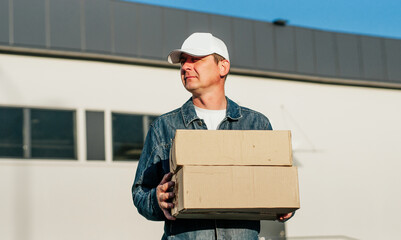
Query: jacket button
(200, 123)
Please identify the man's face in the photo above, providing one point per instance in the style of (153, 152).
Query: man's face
(200, 74)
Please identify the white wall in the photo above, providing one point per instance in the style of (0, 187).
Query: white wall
(345, 143)
(42, 200)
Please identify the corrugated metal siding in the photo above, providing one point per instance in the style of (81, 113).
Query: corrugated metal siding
(348, 56)
(150, 33)
(97, 26)
(65, 24)
(393, 59)
(285, 49)
(264, 45)
(4, 22)
(243, 54)
(372, 55)
(126, 29)
(305, 51)
(29, 23)
(326, 57)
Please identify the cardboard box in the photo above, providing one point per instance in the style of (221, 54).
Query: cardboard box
(231, 147)
(235, 192)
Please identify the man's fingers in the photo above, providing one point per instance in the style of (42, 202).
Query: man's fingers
(285, 217)
(165, 196)
(168, 214)
(166, 178)
(166, 186)
(165, 183)
(166, 205)
(289, 215)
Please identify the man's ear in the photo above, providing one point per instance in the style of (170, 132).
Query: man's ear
(224, 67)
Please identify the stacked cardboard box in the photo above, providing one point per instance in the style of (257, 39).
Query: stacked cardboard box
(233, 174)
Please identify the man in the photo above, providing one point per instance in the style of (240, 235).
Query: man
(205, 64)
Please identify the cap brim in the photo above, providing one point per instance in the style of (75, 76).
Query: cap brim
(175, 55)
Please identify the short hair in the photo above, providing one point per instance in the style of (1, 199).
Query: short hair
(217, 57)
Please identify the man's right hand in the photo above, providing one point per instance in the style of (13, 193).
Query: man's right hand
(165, 195)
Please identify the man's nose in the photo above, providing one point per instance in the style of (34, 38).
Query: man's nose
(186, 65)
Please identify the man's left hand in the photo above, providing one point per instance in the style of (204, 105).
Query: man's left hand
(284, 217)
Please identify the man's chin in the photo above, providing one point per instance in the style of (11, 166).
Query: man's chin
(190, 88)
(193, 91)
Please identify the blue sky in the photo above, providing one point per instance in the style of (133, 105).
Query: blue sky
(375, 18)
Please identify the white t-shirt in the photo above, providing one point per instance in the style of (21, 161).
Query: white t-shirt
(212, 118)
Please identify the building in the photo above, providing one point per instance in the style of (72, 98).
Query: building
(81, 80)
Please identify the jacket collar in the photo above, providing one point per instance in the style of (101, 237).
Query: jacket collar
(189, 114)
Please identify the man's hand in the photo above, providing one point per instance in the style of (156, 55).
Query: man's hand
(165, 195)
(284, 217)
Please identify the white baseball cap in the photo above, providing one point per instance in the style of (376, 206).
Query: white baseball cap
(199, 45)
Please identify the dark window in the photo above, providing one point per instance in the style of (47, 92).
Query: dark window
(127, 136)
(95, 149)
(52, 134)
(11, 128)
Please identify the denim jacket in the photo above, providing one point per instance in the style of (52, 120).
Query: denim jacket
(154, 164)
